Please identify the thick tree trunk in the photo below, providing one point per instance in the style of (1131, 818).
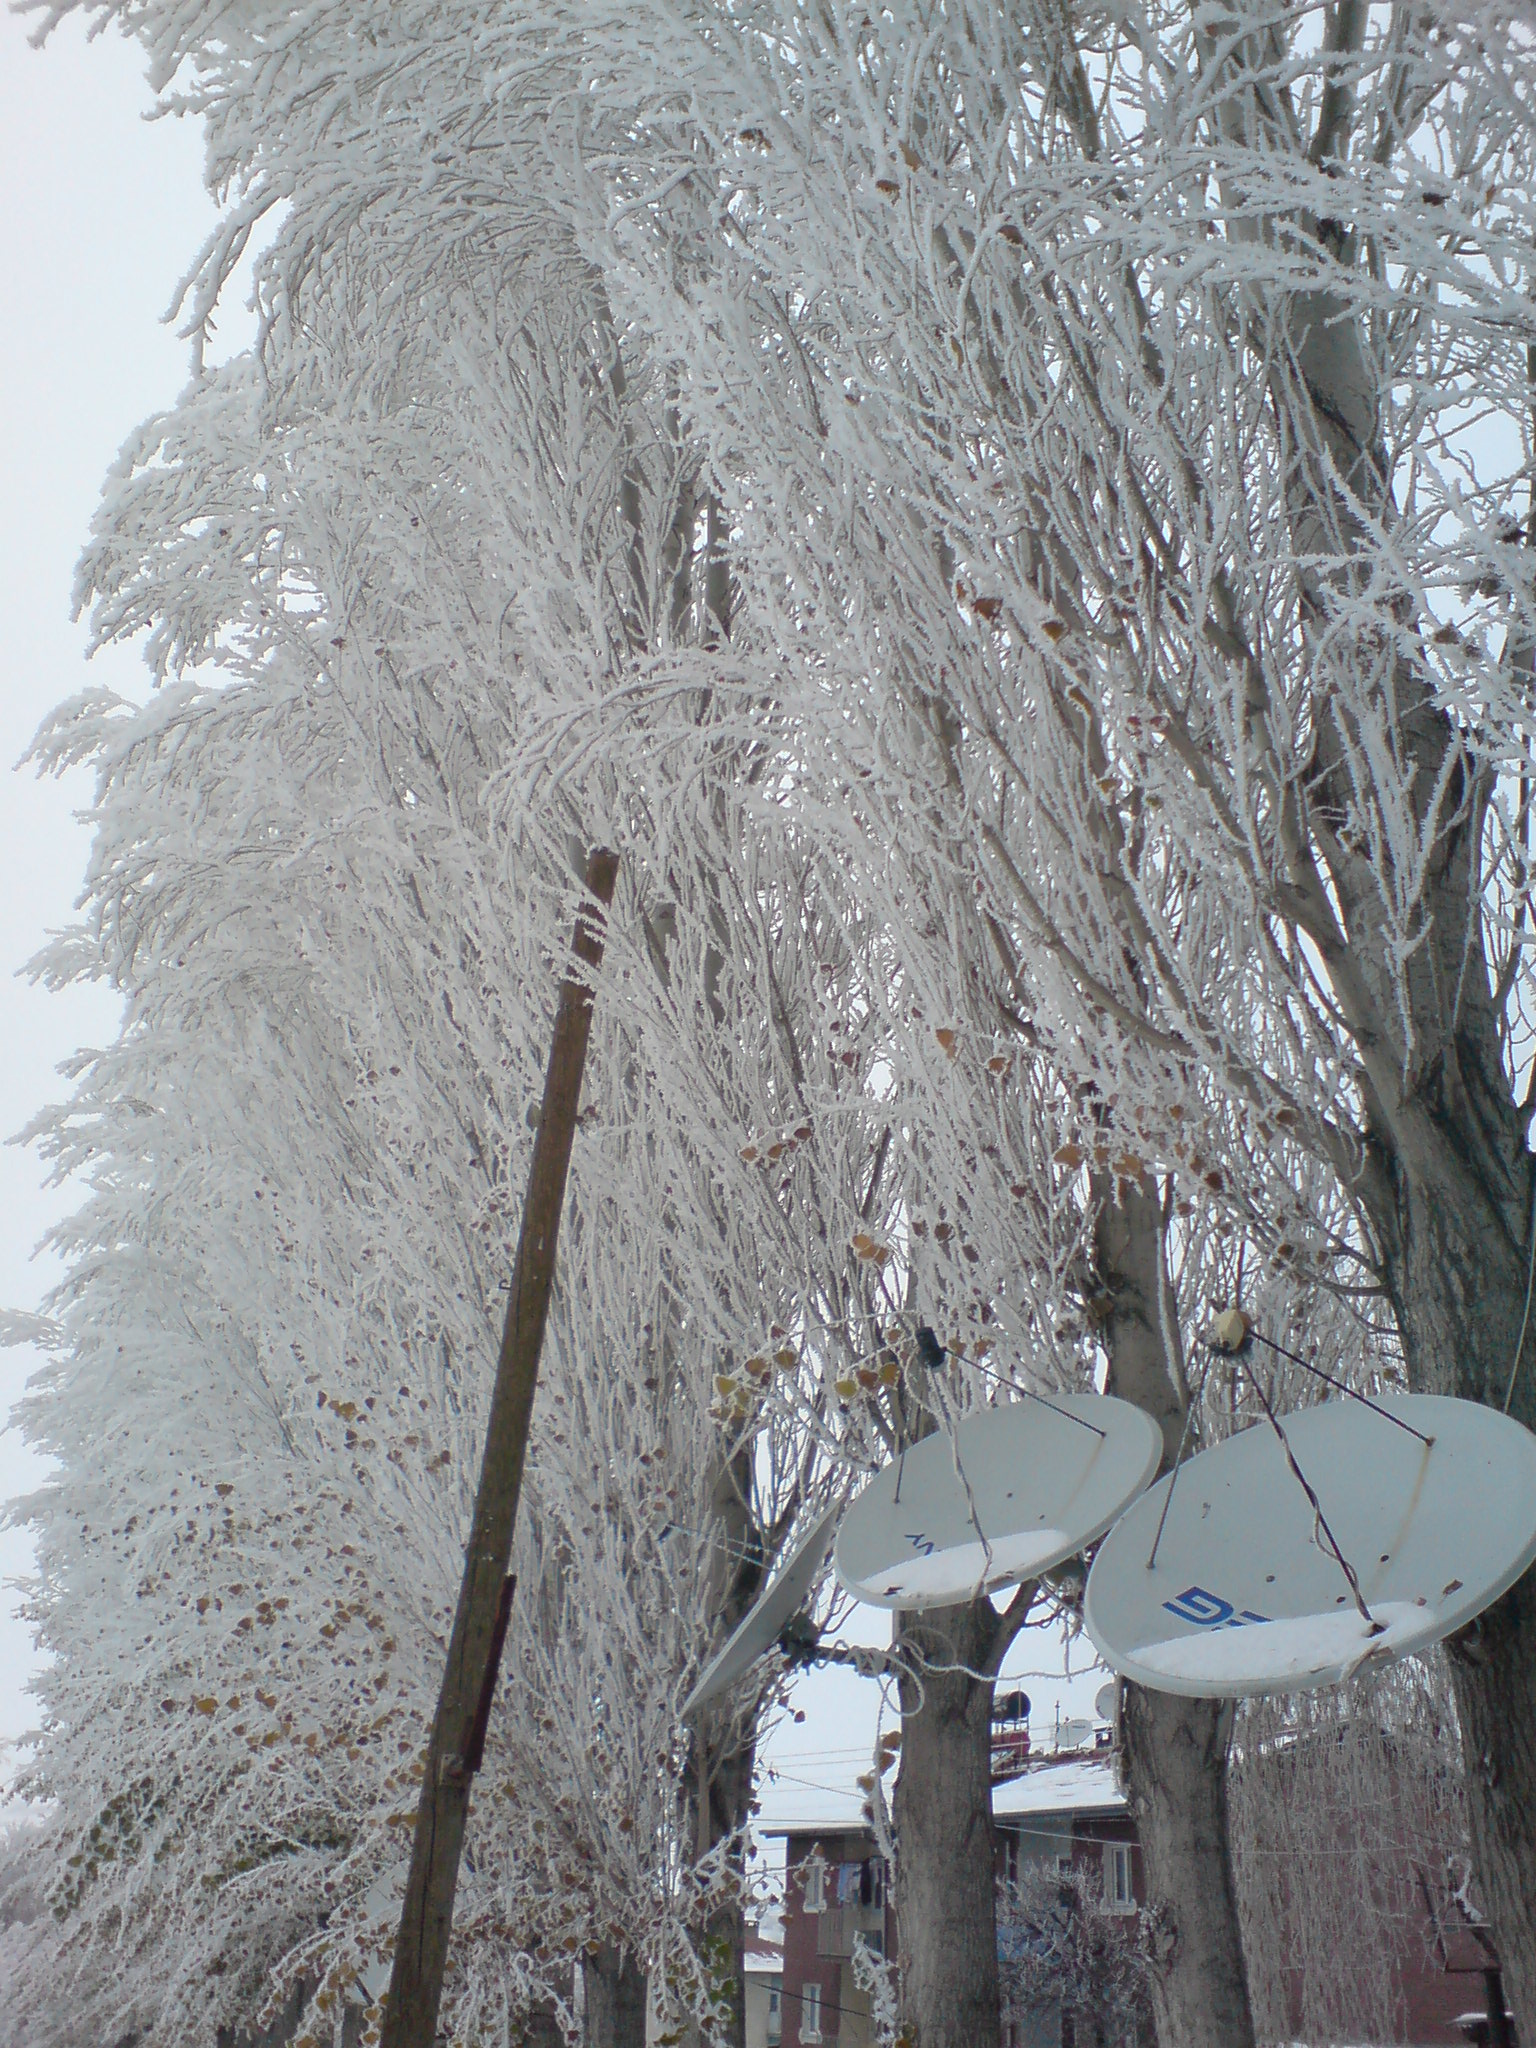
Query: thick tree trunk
(724, 1761)
(1459, 1286)
(946, 1883)
(277, 2034)
(721, 1795)
(1174, 1751)
(1448, 1191)
(615, 1991)
(542, 2030)
(1446, 1178)
(726, 1805)
(1493, 1666)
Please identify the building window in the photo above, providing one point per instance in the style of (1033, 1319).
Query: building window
(1119, 1892)
(814, 1882)
(810, 2013)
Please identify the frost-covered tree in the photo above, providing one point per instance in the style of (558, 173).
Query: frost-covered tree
(1350, 1825)
(1106, 433)
(1064, 1954)
(415, 384)
(1159, 436)
(278, 1298)
(329, 884)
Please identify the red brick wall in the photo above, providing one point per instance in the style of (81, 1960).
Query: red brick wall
(803, 1962)
(1434, 1997)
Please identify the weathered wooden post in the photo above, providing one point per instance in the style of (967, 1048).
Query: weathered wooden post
(479, 1625)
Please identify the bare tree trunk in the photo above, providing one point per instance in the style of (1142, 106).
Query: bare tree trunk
(724, 1804)
(426, 1916)
(1459, 1286)
(946, 1881)
(1174, 1751)
(1493, 1667)
(1449, 1194)
(615, 1990)
(724, 1762)
(1446, 1179)
(542, 2030)
(277, 2034)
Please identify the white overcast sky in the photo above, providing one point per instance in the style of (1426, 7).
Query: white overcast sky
(101, 212)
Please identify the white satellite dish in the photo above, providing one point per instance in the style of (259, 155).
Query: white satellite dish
(1431, 1500)
(760, 1628)
(1015, 1490)
(1106, 1700)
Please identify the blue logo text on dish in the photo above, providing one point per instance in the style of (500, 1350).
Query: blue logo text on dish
(1209, 1610)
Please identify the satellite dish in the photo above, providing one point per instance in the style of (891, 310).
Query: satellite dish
(1015, 1490)
(1431, 1500)
(760, 1628)
(1105, 1700)
(1074, 1735)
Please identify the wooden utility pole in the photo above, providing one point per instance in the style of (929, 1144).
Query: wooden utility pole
(458, 1729)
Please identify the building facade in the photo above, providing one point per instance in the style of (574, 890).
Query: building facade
(764, 1991)
(1064, 1834)
(836, 1895)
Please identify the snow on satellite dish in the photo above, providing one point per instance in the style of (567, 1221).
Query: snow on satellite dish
(1432, 1502)
(760, 1628)
(1014, 1491)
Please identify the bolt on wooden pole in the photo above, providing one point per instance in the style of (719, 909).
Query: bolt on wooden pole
(426, 1917)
